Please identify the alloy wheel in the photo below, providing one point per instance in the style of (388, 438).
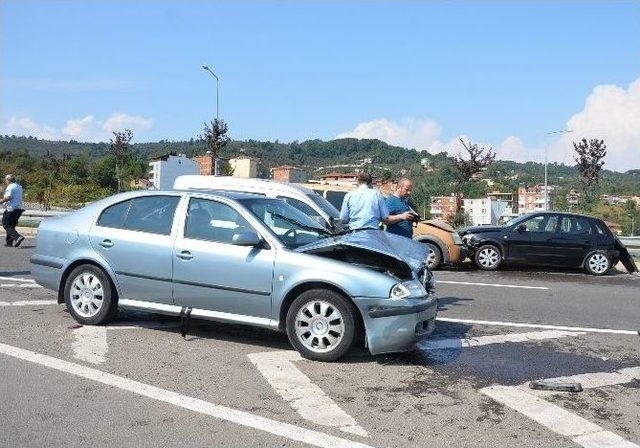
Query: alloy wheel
(86, 294)
(598, 263)
(319, 326)
(488, 257)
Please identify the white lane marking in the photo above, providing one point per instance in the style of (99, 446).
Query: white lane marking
(496, 285)
(19, 285)
(29, 303)
(541, 326)
(286, 430)
(17, 279)
(581, 431)
(90, 344)
(457, 343)
(297, 389)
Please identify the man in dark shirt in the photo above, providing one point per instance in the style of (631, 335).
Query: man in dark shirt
(398, 204)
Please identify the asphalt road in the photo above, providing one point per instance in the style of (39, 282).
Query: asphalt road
(137, 382)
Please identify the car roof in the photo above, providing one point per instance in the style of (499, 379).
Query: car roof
(220, 193)
(200, 182)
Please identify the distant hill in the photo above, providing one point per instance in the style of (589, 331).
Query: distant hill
(388, 161)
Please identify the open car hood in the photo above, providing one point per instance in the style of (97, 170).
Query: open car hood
(404, 249)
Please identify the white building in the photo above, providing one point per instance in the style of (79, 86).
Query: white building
(166, 169)
(486, 211)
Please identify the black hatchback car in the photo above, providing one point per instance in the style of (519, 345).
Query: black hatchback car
(548, 239)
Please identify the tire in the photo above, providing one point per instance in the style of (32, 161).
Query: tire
(328, 340)
(597, 263)
(488, 257)
(434, 257)
(89, 296)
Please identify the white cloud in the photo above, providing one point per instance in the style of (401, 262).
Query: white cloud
(411, 133)
(610, 112)
(86, 129)
(26, 126)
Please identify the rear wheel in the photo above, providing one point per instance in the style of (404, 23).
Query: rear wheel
(597, 264)
(321, 324)
(89, 296)
(434, 257)
(488, 258)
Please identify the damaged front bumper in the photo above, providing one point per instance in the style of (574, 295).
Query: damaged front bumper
(395, 325)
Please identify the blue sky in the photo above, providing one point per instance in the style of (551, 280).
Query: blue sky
(429, 71)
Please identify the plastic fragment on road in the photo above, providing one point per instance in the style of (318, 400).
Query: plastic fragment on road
(555, 386)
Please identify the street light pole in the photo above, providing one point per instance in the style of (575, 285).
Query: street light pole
(546, 184)
(206, 67)
(216, 171)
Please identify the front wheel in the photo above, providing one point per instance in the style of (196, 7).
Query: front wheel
(597, 264)
(434, 257)
(321, 325)
(488, 258)
(89, 296)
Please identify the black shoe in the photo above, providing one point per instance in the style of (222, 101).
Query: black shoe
(8, 244)
(18, 241)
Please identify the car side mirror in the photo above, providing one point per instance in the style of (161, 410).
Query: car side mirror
(246, 238)
(521, 228)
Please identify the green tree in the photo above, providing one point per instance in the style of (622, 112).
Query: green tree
(589, 160)
(119, 150)
(215, 139)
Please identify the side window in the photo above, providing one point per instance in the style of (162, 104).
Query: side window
(304, 208)
(152, 214)
(575, 225)
(213, 221)
(336, 198)
(542, 223)
(114, 215)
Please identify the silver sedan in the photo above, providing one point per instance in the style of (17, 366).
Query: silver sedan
(238, 258)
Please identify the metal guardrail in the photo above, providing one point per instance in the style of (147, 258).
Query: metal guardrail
(39, 215)
(630, 241)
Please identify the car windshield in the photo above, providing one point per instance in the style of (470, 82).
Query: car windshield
(292, 227)
(516, 220)
(324, 205)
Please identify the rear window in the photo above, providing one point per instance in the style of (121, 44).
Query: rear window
(336, 198)
(150, 214)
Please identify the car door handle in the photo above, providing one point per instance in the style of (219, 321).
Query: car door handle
(184, 255)
(106, 244)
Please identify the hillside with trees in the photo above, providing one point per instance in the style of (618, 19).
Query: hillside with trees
(71, 173)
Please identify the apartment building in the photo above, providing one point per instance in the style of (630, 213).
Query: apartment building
(442, 207)
(164, 170)
(487, 211)
(532, 198)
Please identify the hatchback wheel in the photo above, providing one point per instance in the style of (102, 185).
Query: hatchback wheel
(597, 264)
(89, 296)
(321, 325)
(488, 258)
(434, 258)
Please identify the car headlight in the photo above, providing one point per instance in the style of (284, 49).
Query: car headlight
(412, 288)
(467, 239)
(456, 238)
(399, 292)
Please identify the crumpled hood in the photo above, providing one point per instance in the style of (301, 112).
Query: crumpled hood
(398, 247)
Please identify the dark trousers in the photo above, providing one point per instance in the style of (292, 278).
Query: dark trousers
(9, 222)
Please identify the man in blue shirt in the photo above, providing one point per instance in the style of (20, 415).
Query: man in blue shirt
(365, 208)
(398, 205)
(12, 201)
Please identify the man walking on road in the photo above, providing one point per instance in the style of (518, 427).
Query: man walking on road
(365, 207)
(398, 205)
(12, 201)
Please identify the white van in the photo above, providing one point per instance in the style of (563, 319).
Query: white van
(304, 199)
